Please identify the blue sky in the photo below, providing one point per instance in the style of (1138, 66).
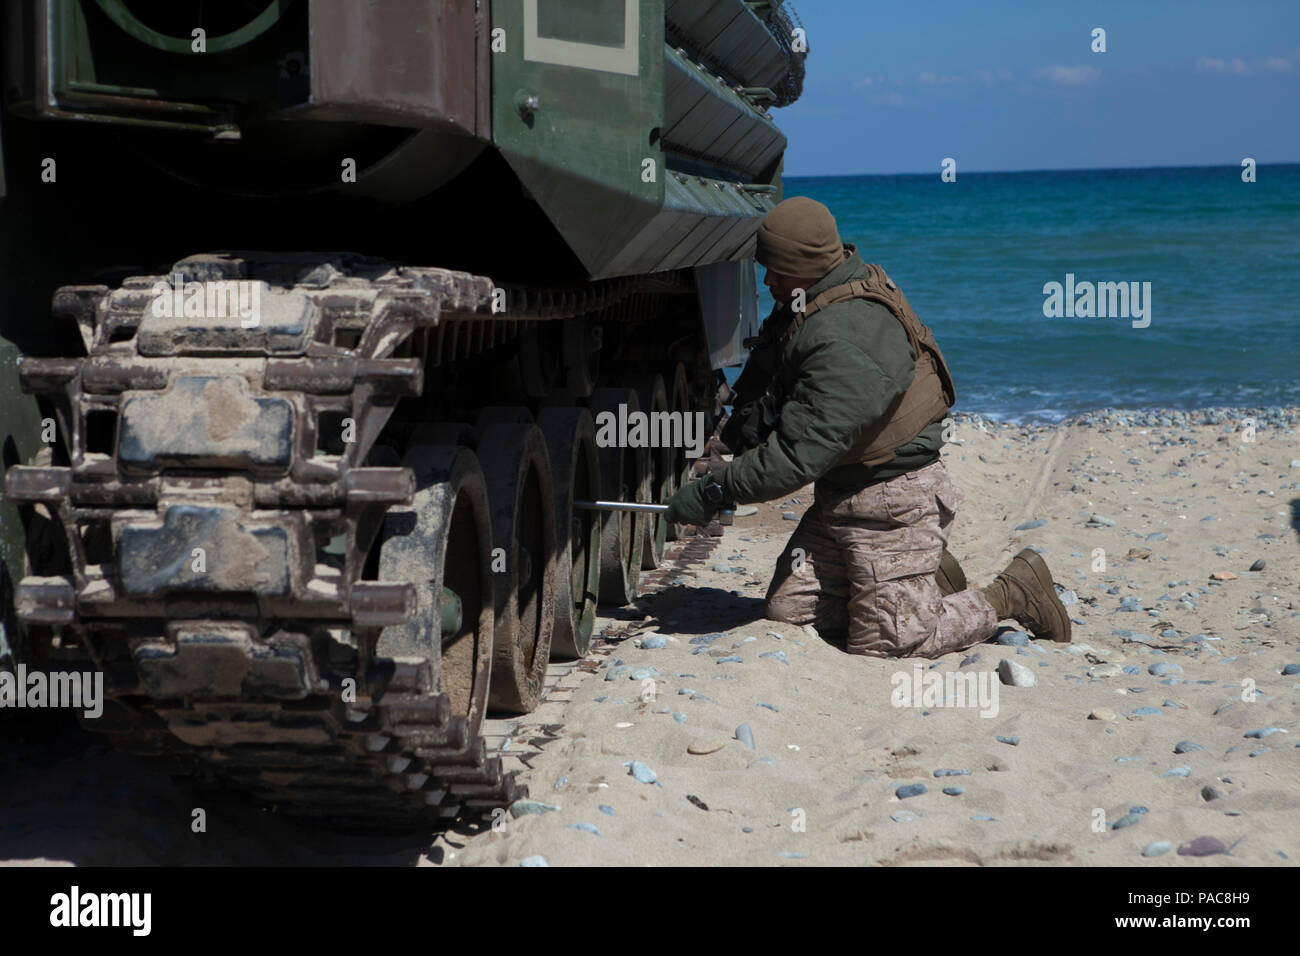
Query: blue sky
(1013, 84)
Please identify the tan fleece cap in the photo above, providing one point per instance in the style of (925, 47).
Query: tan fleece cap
(799, 238)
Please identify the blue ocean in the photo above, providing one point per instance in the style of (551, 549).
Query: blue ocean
(1222, 258)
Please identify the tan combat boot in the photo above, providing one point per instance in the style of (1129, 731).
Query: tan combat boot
(1024, 593)
(950, 577)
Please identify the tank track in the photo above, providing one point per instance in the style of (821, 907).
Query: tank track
(238, 673)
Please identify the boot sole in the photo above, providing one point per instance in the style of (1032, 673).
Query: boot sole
(950, 577)
(1044, 578)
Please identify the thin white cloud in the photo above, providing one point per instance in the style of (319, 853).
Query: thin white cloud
(1069, 75)
(1236, 66)
(940, 79)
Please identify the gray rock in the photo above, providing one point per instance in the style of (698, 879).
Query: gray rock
(584, 827)
(745, 736)
(1013, 741)
(731, 659)
(1291, 670)
(522, 808)
(1203, 846)
(654, 642)
(1017, 675)
(1147, 712)
(606, 809)
(1013, 639)
(1158, 848)
(536, 860)
(984, 818)
(903, 816)
(1186, 747)
(1134, 815)
(643, 673)
(679, 717)
(776, 655)
(911, 790)
(641, 772)
(952, 773)
(1258, 565)
(1101, 521)
(617, 673)
(1030, 525)
(790, 516)
(954, 791)
(1176, 772)
(1263, 732)
(1164, 669)
(772, 707)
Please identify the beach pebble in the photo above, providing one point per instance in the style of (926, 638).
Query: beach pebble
(654, 642)
(1159, 848)
(1013, 639)
(911, 790)
(776, 655)
(952, 773)
(1017, 675)
(954, 791)
(789, 516)
(641, 772)
(1176, 772)
(1157, 536)
(606, 809)
(1263, 732)
(745, 736)
(1186, 747)
(731, 659)
(536, 860)
(561, 783)
(526, 807)
(1147, 712)
(1101, 521)
(643, 673)
(1138, 554)
(617, 673)
(1134, 815)
(1103, 713)
(705, 746)
(1013, 741)
(584, 827)
(1211, 793)
(1203, 846)
(1291, 670)
(1258, 565)
(679, 717)
(1030, 525)
(984, 818)
(1068, 598)
(772, 707)
(1101, 671)
(1221, 576)
(1164, 669)
(903, 816)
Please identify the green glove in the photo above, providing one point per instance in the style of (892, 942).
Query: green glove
(695, 504)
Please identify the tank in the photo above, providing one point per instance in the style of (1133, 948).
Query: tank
(322, 308)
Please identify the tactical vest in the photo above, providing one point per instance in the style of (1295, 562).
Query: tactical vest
(931, 393)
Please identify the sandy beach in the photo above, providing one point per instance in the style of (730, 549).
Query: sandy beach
(700, 734)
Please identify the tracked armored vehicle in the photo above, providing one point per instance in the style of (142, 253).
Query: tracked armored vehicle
(311, 513)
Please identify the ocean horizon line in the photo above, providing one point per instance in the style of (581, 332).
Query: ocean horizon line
(1017, 172)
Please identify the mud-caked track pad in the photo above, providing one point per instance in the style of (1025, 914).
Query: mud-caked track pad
(202, 548)
(205, 421)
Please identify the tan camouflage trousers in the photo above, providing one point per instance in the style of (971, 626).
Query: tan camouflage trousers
(863, 563)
